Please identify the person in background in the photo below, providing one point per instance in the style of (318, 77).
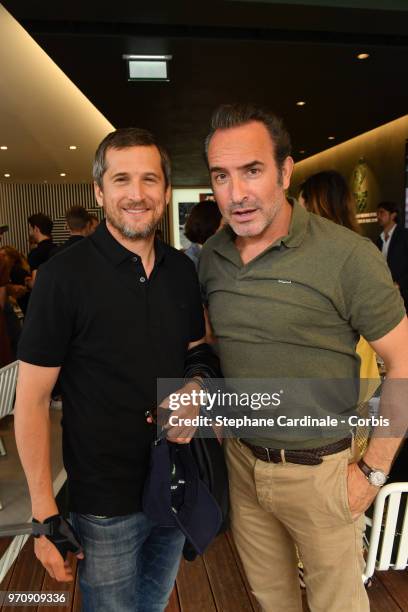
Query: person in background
(327, 194)
(40, 229)
(3, 229)
(78, 224)
(93, 223)
(202, 222)
(19, 272)
(20, 268)
(11, 311)
(393, 243)
(5, 347)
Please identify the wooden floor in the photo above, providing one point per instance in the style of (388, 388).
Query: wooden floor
(213, 583)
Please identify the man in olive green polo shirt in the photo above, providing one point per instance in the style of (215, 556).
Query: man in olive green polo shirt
(288, 294)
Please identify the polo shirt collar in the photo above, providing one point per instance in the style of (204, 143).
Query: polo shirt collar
(116, 252)
(294, 238)
(298, 225)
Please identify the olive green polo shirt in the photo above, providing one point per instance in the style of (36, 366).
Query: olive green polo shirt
(298, 308)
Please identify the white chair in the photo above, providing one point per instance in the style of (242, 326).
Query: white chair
(8, 378)
(382, 544)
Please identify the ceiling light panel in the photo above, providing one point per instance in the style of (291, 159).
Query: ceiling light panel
(147, 67)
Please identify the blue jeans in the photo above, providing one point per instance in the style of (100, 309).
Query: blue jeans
(130, 564)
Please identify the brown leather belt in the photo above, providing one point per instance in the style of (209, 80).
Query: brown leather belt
(309, 456)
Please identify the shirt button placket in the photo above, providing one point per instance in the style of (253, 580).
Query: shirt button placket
(140, 270)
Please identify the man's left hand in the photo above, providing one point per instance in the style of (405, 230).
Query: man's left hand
(361, 493)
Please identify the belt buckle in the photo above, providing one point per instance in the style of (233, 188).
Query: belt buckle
(269, 457)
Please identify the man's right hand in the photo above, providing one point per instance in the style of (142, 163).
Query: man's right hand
(52, 560)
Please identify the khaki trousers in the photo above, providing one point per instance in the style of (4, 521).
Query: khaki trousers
(274, 507)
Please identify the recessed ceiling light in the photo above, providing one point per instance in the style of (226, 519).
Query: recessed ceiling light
(331, 137)
(72, 147)
(62, 174)
(300, 103)
(7, 175)
(3, 147)
(302, 151)
(363, 56)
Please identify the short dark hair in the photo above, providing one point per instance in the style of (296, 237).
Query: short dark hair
(128, 137)
(391, 207)
(43, 222)
(234, 115)
(202, 222)
(77, 218)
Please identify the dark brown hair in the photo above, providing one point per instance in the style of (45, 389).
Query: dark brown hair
(15, 257)
(43, 222)
(328, 195)
(77, 218)
(123, 138)
(202, 222)
(390, 207)
(234, 115)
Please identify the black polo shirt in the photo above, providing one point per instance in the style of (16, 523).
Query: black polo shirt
(113, 332)
(40, 254)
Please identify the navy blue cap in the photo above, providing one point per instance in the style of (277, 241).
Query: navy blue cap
(175, 496)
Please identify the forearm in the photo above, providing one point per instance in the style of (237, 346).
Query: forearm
(386, 439)
(381, 452)
(32, 427)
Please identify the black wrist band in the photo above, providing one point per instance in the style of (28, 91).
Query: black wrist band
(58, 531)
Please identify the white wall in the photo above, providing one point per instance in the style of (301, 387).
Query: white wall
(183, 195)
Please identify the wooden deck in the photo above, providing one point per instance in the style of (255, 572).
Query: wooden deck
(213, 583)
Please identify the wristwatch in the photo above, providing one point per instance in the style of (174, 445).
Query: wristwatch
(375, 477)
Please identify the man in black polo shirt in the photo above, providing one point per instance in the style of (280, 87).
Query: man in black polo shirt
(40, 228)
(109, 317)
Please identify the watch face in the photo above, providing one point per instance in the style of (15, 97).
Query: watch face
(377, 478)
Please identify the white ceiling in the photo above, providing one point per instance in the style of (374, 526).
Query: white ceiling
(42, 113)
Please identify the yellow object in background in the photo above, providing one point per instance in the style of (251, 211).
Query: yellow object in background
(369, 382)
(369, 375)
